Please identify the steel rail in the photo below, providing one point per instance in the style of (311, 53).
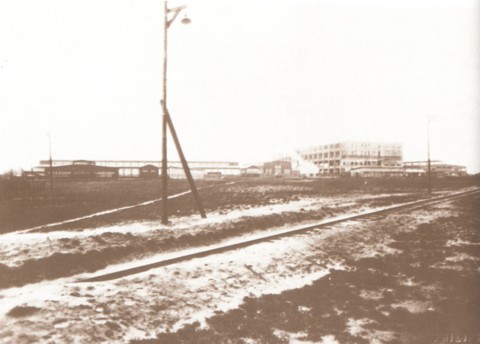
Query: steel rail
(414, 205)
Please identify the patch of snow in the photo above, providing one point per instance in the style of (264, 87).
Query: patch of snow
(408, 282)
(135, 333)
(414, 306)
(330, 339)
(460, 242)
(292, 337)
(304, 309)
(355, 326)
(371, 294)
(460, 258)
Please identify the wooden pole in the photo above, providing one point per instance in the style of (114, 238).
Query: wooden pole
(185, 166)
(429, 169)
(164, 121)
(50, 164)
(167, 122)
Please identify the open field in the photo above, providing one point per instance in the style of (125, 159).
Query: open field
(33, 207)
(353, 282)
(29, 206)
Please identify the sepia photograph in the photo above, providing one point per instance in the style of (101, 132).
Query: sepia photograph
(240, 171)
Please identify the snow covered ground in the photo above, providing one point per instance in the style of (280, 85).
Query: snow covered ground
(167, 298)
(18, 247)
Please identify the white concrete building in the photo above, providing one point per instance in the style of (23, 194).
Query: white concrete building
(343, 157)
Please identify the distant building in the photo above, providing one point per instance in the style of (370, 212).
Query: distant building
(278, 168)
(81, 170)
(438, 168)
(33, 174)
(140, 168)
(251, 171)
(413, 172)
(148, 171)
(359, 158)
(300, 166)
(376, 172)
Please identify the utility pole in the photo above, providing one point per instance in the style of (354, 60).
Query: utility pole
(429, 171)
(50, 163)
(167, 123)
(186, 169)
(164, 120)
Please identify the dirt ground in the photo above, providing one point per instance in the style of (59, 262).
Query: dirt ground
(407, 278)
(37, 205)
(34, 205)
(235, 209)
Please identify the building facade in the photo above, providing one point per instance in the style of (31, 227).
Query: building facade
(278, 168)
(340, 159)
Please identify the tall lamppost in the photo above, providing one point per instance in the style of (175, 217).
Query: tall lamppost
(167, 122)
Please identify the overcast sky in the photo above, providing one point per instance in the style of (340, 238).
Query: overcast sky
(246, 79)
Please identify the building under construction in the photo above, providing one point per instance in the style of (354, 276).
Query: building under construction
(356, 158)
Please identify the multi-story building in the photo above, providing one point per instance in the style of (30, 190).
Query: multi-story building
(344, 158)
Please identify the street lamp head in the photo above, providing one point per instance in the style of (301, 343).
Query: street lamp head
(186, 20)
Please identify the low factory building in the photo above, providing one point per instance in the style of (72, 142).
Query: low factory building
(252, 171)
(148, 171)
(81, 170)
(91, 169)
(278, 168)
(438, 168)
(377, 172)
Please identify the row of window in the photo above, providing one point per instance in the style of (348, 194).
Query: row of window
(348, 163)
(320, 155)
(344, 154)
(331, 171)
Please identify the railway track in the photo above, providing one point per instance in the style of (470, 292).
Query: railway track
(372, 215)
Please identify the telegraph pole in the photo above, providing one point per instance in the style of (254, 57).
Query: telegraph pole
(50, 163)
(164, 120)
(167, 123)
(186, 169)
(429, 171)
